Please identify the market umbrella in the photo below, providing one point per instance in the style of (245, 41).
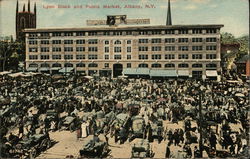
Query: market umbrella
(239, 95)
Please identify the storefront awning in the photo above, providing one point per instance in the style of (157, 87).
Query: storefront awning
(66, 69)
(44, 69)
(32, 69)
(129, 71)
(211, 73)
(183, 72)
(142, 71)
(163, 73)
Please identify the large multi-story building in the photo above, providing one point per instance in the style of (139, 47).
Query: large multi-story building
(166, 50)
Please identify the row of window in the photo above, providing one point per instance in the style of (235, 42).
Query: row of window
(143, 65)
(117, 42)
(119, 33)
(66, 49)
(140, 57)
(180, 48)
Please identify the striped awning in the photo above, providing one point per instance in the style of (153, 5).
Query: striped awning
(142, 71)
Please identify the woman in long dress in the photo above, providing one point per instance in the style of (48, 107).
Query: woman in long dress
(84, 129)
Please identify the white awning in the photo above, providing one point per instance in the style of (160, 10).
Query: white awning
(55, 68)
(163, 73)
(44, 69)
(211, 73)
(129, 71)
(66, 69)
(142, 71)
(183, 72)
(32, 69)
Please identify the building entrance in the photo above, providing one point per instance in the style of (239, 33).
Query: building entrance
(117, 70)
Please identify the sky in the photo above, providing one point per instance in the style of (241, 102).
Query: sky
(233, 14)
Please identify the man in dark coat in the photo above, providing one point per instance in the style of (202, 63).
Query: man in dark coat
(167, 154)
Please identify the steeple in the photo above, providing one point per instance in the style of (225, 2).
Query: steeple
(17, 6)
(23, 7)
(29, 6)
(169, 19)
(35, 8)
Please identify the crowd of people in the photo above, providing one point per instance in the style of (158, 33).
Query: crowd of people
(223, 106)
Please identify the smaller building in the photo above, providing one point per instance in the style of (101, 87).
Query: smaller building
(243, 65)
(229, 53)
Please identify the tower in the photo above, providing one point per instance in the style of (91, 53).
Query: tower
(169, 19)
(24, 19)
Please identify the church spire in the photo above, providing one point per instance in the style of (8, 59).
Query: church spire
(29, 6)
(169, 19)
(23, 7)
(17, 6)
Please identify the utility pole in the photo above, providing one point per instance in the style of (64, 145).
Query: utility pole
(200, 123)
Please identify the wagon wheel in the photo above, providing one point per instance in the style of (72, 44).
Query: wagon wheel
(72, 127)
(32, 153)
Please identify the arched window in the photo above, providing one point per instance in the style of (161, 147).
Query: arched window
(197, 65)
(44, 65)
(156, 65)
(33, 65)
(68, 65)
(118, 42)
(169, 65)
(56, 65)
(80, 65)
(183, 65)
(143, 65)
(93, 65)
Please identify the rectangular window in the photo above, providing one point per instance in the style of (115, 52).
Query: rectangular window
(33, 57)
(68, 57)
(211, 47)
(117, 49)
(211, 39)
(56, 34)
(32, 49)
(117, 57)
(156, 57)
(156, 48)
(45, 42)
(128, 32)
(170, 56)
(143, 48)
(169, 40)
(55, 57)
(169, 48)
(106, 65)
(197, 31)
(183, 48)
(68, 34)
(92, 41)
(158, 40)
(44, 49)
(156, 32)
(80, 33)
(128, 49)
(68, 41)
(32, 35)
(106, 33)
(32, 42)
(128, 41)
(81, 41)
(92, 49)
(106, 49)
(117, 33)
(197, 48)
(92, 33)
(143, 33)
(143, 57)
(143, 40)
(211, 31)
(183, 40)
(44, 57)
(210, 56)
(128, 65)
(183, 56)
(197, 56)
(106, 57)
(56, 49)
(196, 40)
(80, 49)
(128, 57)
(44, 34)
(106, 42)
(183, 31)
(91, 56)
(56, 41)
(169, 32)
(68, 49)
(78, 57)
